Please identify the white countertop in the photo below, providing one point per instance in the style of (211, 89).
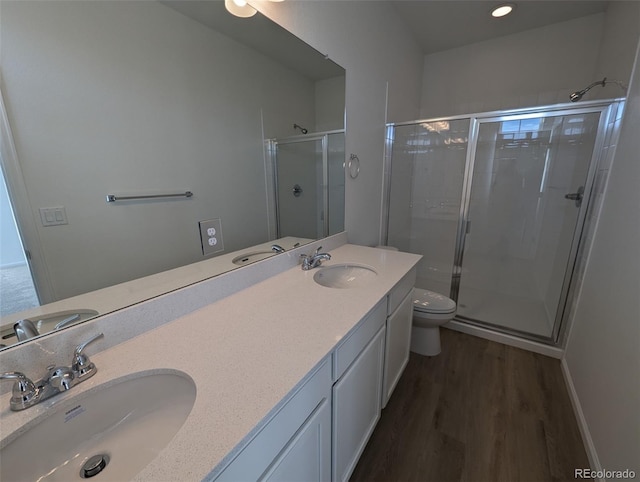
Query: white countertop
(245, 353)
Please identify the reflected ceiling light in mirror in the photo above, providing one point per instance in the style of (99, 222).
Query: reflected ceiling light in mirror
(502, 10)
(239, 8)
(437, 126)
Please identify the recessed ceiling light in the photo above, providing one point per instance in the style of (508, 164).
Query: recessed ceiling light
(502, 10)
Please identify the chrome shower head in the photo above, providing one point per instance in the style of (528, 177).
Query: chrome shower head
(577, 95)
(302, 129)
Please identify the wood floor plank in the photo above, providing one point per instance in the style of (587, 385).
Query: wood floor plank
(487, 405)
(480, 411)
(444, 459)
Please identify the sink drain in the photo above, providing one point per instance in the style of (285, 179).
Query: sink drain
(94, 466)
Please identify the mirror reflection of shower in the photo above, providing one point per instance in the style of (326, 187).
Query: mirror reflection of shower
(578, 94)
(308, 184)
(302, 129)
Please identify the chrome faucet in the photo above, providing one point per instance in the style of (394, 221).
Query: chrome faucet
(277, 248)
(25, 329)
(310, 261)
(26, 393)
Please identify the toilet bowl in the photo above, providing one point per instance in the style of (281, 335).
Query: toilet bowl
(430, 311)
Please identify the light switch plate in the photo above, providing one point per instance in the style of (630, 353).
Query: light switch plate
(53, 216)
(211, 236)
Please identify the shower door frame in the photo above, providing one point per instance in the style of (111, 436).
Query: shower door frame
(606, 108)
(272, 148)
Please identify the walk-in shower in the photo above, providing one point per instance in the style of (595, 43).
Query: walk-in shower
(308, 184)
(496, 204)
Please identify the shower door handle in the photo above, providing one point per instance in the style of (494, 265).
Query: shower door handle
(576, 196)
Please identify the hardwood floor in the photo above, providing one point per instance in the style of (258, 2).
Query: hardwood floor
(480, 411)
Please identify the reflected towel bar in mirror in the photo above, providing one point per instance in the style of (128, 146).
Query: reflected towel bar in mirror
(113, 198)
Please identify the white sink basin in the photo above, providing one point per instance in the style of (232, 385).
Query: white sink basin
(252, 257)
(129, 423)
(345, 276)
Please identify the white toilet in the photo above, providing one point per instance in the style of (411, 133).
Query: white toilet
(430, 310)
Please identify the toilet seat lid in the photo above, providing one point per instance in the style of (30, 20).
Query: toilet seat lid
(431, 302)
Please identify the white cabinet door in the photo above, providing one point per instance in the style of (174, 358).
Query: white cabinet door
(300, 428)
(307, 456)
(397, 346)
(356, 407)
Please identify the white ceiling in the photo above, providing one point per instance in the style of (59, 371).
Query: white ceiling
(439, 25)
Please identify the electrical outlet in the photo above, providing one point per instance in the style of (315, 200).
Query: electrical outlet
(211, 236)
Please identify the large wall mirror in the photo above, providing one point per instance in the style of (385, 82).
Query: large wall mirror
(147, 98)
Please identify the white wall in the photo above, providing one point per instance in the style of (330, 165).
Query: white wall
(370, 42)
(133, 97)
(330, 104)
(602, 355)
(618, 48)
(537, 67)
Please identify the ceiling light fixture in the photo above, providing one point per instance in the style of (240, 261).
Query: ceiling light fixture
(502, 10)
(239, 8)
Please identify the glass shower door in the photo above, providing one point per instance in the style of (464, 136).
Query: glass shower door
(309, 184)
(425, 194)
(335, 183)
(299, 188)
(522, 209)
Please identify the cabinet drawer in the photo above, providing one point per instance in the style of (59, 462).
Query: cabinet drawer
(355, 341)
(400, 290)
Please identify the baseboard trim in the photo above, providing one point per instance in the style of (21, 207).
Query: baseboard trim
(590, 448)
(552, 351)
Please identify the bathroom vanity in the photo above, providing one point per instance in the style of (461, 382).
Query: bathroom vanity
(290, 375)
